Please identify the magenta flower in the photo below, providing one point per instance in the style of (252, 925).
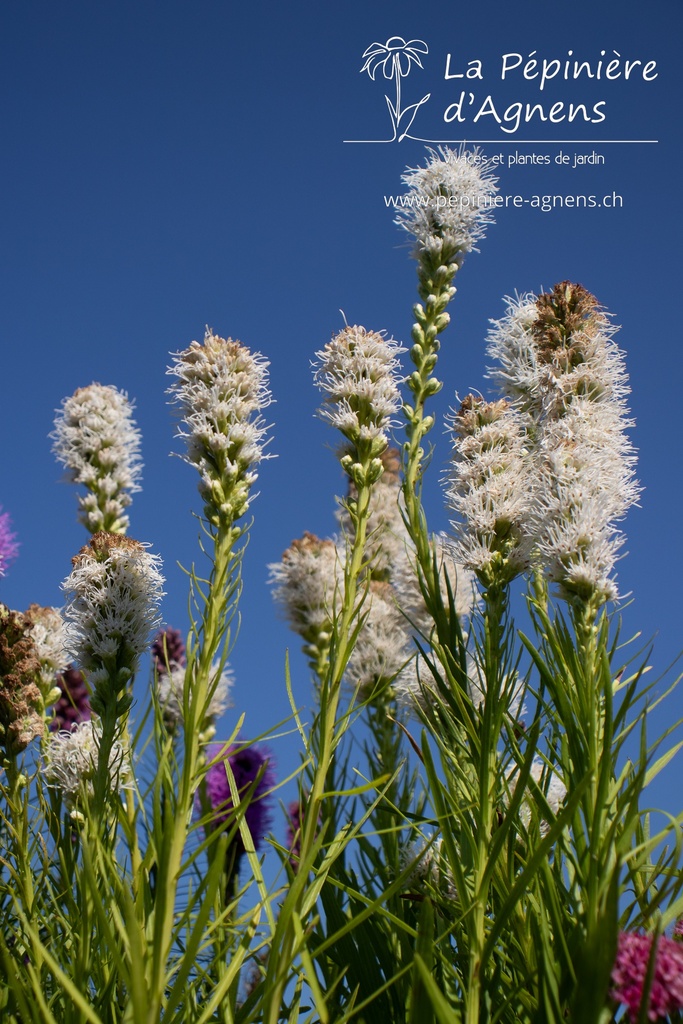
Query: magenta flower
(168, 649)
(9, 548)
(254, 778)
(630, 971)
(74, 704)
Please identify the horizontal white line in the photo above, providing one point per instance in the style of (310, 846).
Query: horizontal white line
(521, 142)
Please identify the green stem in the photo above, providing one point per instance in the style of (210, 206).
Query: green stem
(485, 767)
(436, 290)
(326, 726)
(212, 632)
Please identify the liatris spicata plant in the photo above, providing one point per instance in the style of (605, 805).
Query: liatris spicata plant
(452, 205)
(387, 538)
(487, 877)
(22, 706)
(97, 440)
(168, 649)
(658, 994)
(489, 489)
(113, 595)
(253, 779)
(551, 785)
(170, 686)
(221, 390)
(9, 547)
(71, 759)
(429, 874)
(294, 815)
(46, 627)
(560, 365)
(383, 647)
(358, 372)
(308, 583)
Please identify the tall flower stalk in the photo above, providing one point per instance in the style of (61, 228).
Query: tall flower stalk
(98, 442)
(220, 388)
(112, 609)
(357, 372)
(450, 208)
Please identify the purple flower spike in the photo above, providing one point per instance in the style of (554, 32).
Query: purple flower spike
(9, 548)
(74, 704)
(630, 971)
(247, 763)
(168, 649)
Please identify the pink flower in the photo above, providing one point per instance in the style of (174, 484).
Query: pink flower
(630, 971)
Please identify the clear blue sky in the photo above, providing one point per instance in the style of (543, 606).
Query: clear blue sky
(171, 165)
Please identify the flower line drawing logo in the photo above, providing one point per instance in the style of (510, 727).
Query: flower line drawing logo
(395, 58)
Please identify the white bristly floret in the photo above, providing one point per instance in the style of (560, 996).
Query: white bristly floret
(71, 760)
(511, 343)
(383, 646)
(221, 388)
(170, 688)
(358, 370)
(449, 203)
(551, 786)
(113, 597)
(96, 439)
(426, 856)
(406, 583)
(46, 629)
(491, 489)
(308, 583)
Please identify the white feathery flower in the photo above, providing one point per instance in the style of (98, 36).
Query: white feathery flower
(449, 203)
(491, 490)
(221, 388)
(113, 597)
(585, 460)
(170, 687)
(358, 370)
(383, 646)
(426, 855)
(512, 691)
(46, 629)
(96, 439)
(307, 583)
(405, 580)
(413, 685)
(511, 342)
(71, 759)
(550, 784)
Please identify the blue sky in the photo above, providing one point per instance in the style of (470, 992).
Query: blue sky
(167, 166)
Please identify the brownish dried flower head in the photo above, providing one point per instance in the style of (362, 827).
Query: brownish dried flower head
(21, 702)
